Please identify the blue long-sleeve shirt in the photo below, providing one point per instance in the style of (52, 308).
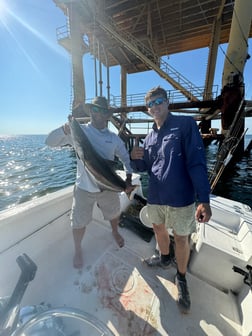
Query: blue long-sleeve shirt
(174, 157)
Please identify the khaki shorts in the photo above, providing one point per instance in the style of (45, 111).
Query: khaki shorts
(83, 203)
(180, 219)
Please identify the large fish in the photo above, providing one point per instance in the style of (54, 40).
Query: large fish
(100, 168)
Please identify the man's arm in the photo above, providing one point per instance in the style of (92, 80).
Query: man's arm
(59, 137)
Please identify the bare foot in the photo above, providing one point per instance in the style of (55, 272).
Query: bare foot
(78, 260)
(118, 238)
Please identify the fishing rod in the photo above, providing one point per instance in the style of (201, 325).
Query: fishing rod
(226, 161)
(229, 144)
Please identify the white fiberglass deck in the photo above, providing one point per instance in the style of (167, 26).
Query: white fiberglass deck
(114, 285)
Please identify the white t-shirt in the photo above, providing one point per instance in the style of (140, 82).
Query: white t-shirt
(106, 143)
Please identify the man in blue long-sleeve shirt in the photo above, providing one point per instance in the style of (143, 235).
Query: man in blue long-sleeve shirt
(174, 157)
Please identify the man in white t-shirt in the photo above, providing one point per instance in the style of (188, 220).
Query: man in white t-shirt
(86, 191)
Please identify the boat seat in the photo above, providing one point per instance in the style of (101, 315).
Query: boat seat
(226, 220)
(218, 249)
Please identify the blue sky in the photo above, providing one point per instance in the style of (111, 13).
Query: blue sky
(36, 71)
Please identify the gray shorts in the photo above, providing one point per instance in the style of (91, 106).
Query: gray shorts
(83, 204)
(180, 219)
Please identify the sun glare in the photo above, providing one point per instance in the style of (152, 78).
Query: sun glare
(2, 6)
(3, 9)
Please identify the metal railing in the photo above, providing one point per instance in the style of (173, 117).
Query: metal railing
(175, 96)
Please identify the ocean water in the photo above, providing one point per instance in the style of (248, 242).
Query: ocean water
(30, 169)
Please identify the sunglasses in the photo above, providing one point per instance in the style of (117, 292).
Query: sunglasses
(97, 109)
(157, 101)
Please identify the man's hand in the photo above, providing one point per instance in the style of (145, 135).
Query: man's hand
(203, 212)
(66, 127)
(129, 187)
(137, 153)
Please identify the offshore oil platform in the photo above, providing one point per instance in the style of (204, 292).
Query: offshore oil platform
(113, 292)
(137, 36)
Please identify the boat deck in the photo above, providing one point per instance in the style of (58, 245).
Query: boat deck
(115, 286)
